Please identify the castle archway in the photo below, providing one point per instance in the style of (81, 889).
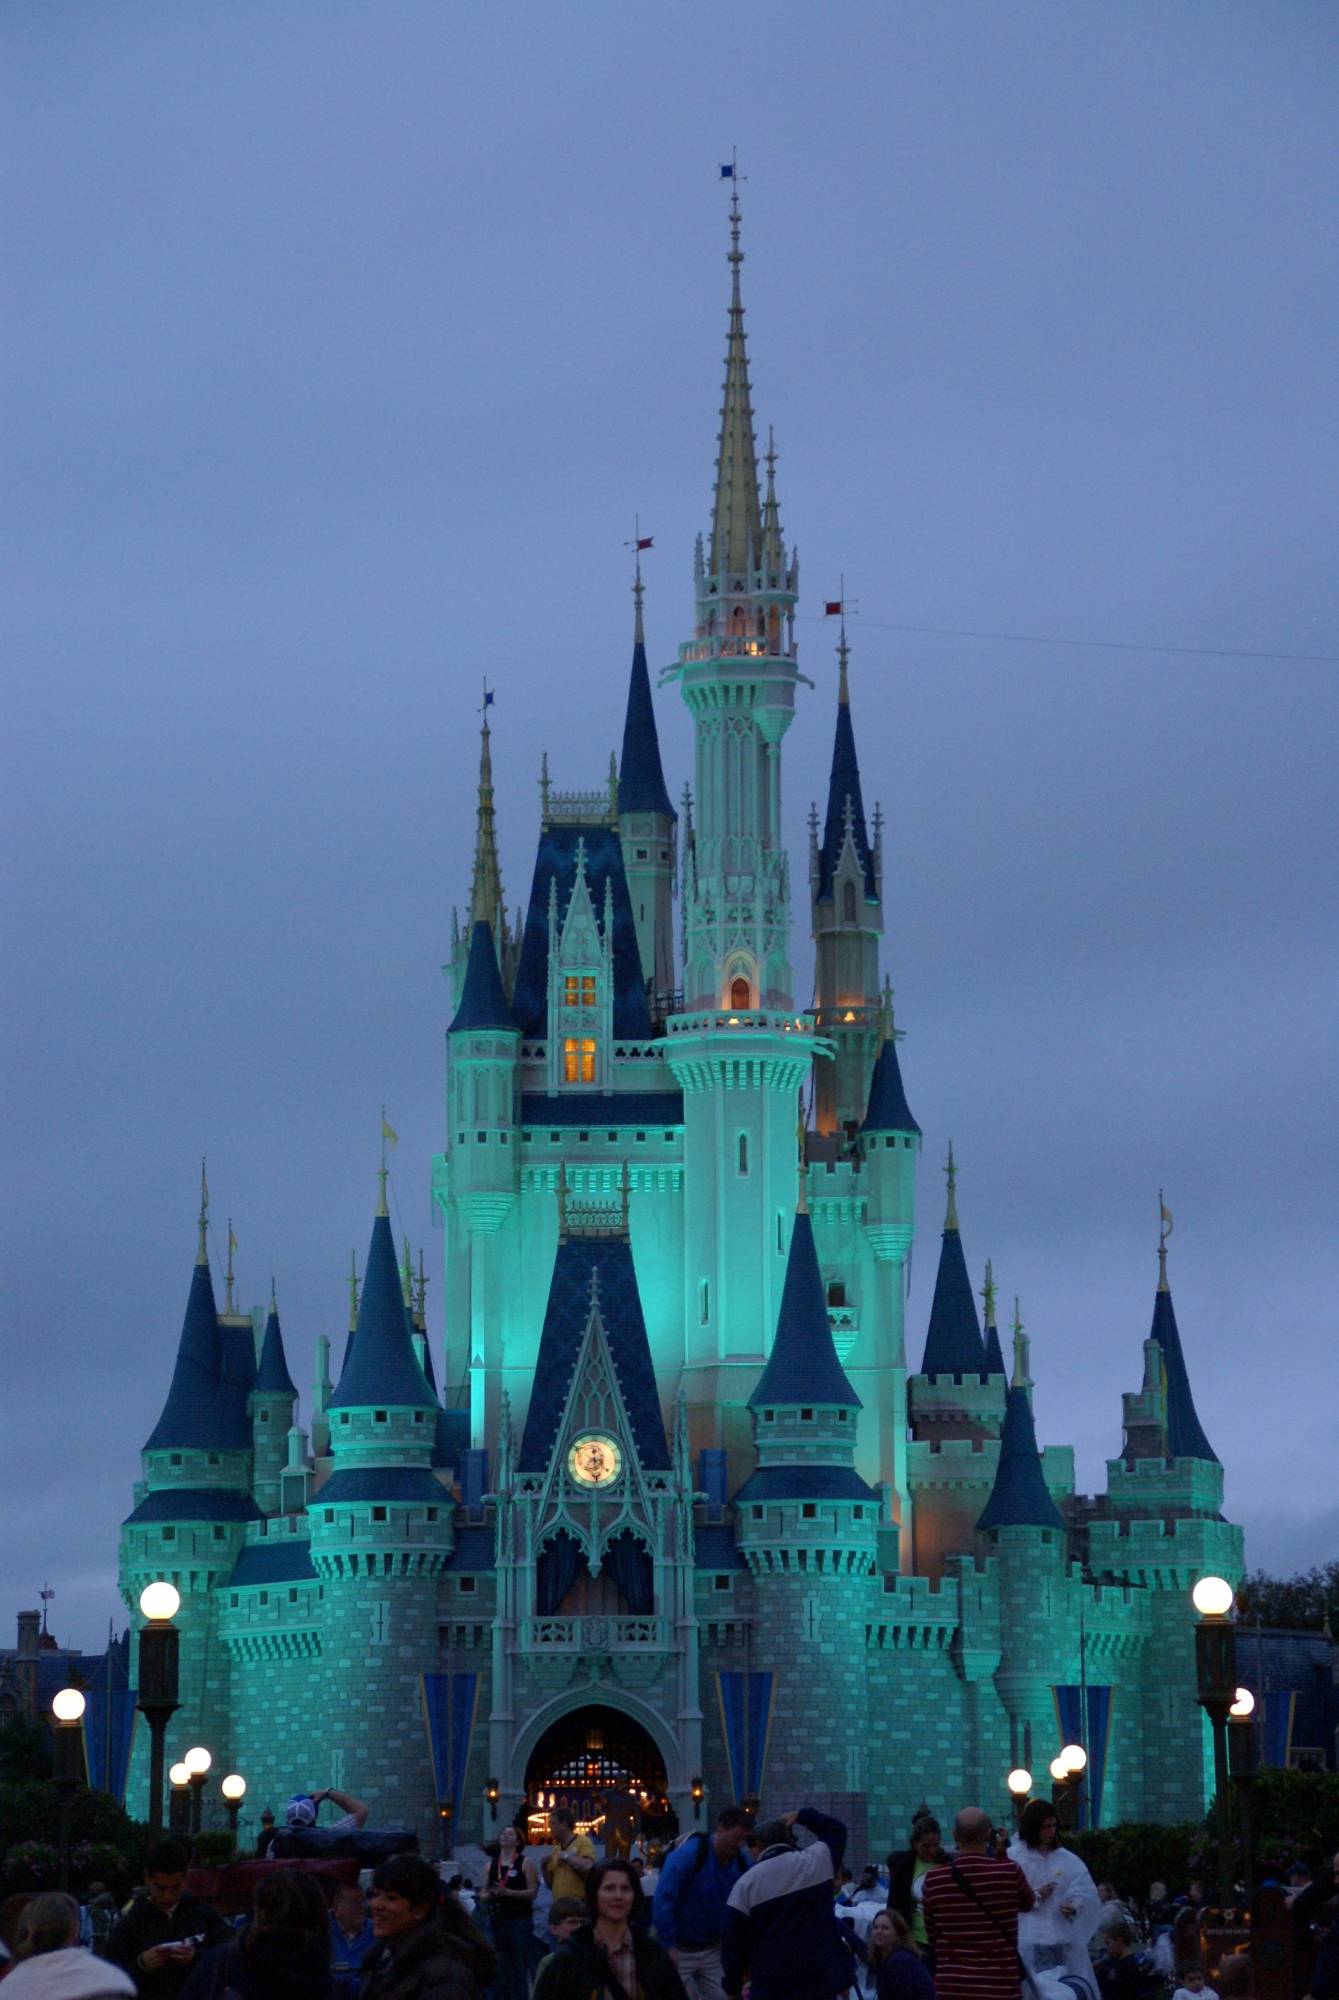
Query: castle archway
(606, 1768)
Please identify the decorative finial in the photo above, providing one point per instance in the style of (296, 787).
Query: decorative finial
(274, 1299)
(613, 788)
(202, 1253)
(407, 1276)
(544, 789)
(389, 1137)
(486, 900)
(1022, 1378)
(843, 653)
(951, 1176)
(353, 1289)
(421, 1294)
(988, 1291)
(1164, 1231)
(228, 1305)
(639, 542)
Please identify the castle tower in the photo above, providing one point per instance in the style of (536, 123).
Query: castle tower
(846, 903)
(807, 1526)
(487, 904)
(273, 1404)
(381, 1534)
(483, 1043)
(890, 1141)
(738, 1052)
(646, 827)
(192, 1505)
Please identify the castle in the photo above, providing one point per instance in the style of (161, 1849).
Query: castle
(683, 1521)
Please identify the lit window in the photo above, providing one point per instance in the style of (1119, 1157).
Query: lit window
(739, 993)
(579, 1059)
(579, 989)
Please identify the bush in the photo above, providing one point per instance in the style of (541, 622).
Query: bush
(30, 1811)
(33, 1864)
(214, 1850)
(1137, 1853)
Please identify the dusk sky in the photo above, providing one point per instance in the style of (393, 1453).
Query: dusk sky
(342, 346)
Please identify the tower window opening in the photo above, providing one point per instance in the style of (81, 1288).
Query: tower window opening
(579, 1059)
(806, 1416)
(579, 989)
(836, 1293)
(848, 902)
(743, 1152)
(780, 1234)
(466, 1584)
(740, 995)
(703, 1302)
(381, 1416)
(378, 1513)
(809, 1512)
(264, 1416)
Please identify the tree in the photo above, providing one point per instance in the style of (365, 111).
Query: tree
(25, 1750)
(1303, 1602)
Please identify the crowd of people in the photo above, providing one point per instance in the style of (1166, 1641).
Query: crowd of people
(740, 1912)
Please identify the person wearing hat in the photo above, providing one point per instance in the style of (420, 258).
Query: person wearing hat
(303, 1807)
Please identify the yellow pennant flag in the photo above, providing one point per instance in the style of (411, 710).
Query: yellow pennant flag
(388, 1133)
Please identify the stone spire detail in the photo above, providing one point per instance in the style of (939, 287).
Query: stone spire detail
(736, 524)
(486, 904)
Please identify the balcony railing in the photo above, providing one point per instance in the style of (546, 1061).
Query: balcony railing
(595, 1634)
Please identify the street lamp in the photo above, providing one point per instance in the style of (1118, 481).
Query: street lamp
(1243, 1766)
(1019, 1782)
(1066, 1782)
(68, 1768)
(233, 1789)
(446, 1812)
(492, 1792)
(697, 1792)
(198, 1762)
(1216, 1675)
(179, 1805)
(157, 1698)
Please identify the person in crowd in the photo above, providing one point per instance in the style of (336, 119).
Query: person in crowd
(972, 1907)
(869, 1889)
(1189, 1983)
(609, 1955)
(1236, 1977)
(302, 1809)
(1112, 1911)
(266, 1834)
(159, 1937)
(902, 1972)
(1311, 1904)
(572, 1858)
(1054, 1934)
(690, 1901)
(1117, 1970)
(284, 1949)
(781, 1931)
(1161, 1910)
(50, 1963)
(566, 1916)
(350, 1936)
(651, 1872)
(510, 1888)
(907, 1872)
(425, 1948)
(841, 1888)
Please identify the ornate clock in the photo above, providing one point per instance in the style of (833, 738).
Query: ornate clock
(595, 1460)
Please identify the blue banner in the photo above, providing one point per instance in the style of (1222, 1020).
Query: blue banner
(109, 1725)
(746, 1722)
(1093, 1731)
(1280, 1705)
(449, 1702)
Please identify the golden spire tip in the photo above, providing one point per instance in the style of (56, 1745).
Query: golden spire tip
(951, 1175)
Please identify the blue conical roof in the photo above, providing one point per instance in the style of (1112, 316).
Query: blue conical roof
(1185, 1433)
(844, 785)
(608, 1260)
(888, 1110)
(272, 1376)
(953, 1343)
(382, 1367)
(483, 998)
(1019, 1498)
(803, 1365)
(192, 1418)
(237, 1377)
(994, 1352)
(641, 780)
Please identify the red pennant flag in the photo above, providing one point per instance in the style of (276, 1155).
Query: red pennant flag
(833, 608)
(645, 543)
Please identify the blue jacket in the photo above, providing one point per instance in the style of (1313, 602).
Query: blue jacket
(781, 1922)
(690, 1899)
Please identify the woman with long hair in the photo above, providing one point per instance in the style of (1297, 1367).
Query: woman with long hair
(907, 1872)
(510, 1890)
(1053, 1936)
(49, 1963)
(285, 1948)
(894, 1959)
(611, 1957)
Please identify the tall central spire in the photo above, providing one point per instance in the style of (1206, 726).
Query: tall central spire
(486, 885)
(736, 527)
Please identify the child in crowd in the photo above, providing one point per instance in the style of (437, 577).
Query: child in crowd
(1117, 1970)
(1189, 1983)
(566, 1914)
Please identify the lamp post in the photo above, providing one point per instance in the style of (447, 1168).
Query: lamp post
(1067, 1782)
(233, 1789)
(1019, 1782)
(446, 1812)
(1243, 1766)
(158, 1666)
(1216, 1674)
(697, 1792)
(492, 1792)
(198, 1762)
(68, 1768)
(179, 1802)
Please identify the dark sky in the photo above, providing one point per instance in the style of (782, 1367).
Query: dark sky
(342, 343)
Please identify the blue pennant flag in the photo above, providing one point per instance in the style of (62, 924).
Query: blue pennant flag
(449, 1702)
(728, 172)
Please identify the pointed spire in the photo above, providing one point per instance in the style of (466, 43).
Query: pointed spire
(1022, 1375)
(641, 776)
(953, 1344)
(380, 1364)
(1019, 1497)
(773, 546)
(1185, 1432)
(803, 1365)
(846, 806)
(483, 998)
(189, 1417)
(407, 1277)
(887, 1109)
(202, 1247)
(228, 1278)
(486, 904)
(272, 1376)
(421, 1293)
(736, 526)
(994, 1352)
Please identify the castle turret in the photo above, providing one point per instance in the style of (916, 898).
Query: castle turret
(846, 902)
(890, 1143)
(807, 1526)
(646, 827)
(483, 1042)
(381, 1532)
(273, 1409)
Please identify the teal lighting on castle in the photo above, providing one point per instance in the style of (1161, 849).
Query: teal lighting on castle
(661, 1497)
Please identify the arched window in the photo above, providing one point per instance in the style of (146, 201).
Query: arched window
(848, 902)
(740, 995)
(743, 1152)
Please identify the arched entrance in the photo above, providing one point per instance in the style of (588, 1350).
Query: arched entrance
(606, 1769)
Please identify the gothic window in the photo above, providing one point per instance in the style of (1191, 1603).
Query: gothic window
(739, 993)
(579, 1059)
(848, 902)
(836, 1293)
(743, 1152)
(579, 989)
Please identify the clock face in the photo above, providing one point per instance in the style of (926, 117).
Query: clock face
(595, 1461)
